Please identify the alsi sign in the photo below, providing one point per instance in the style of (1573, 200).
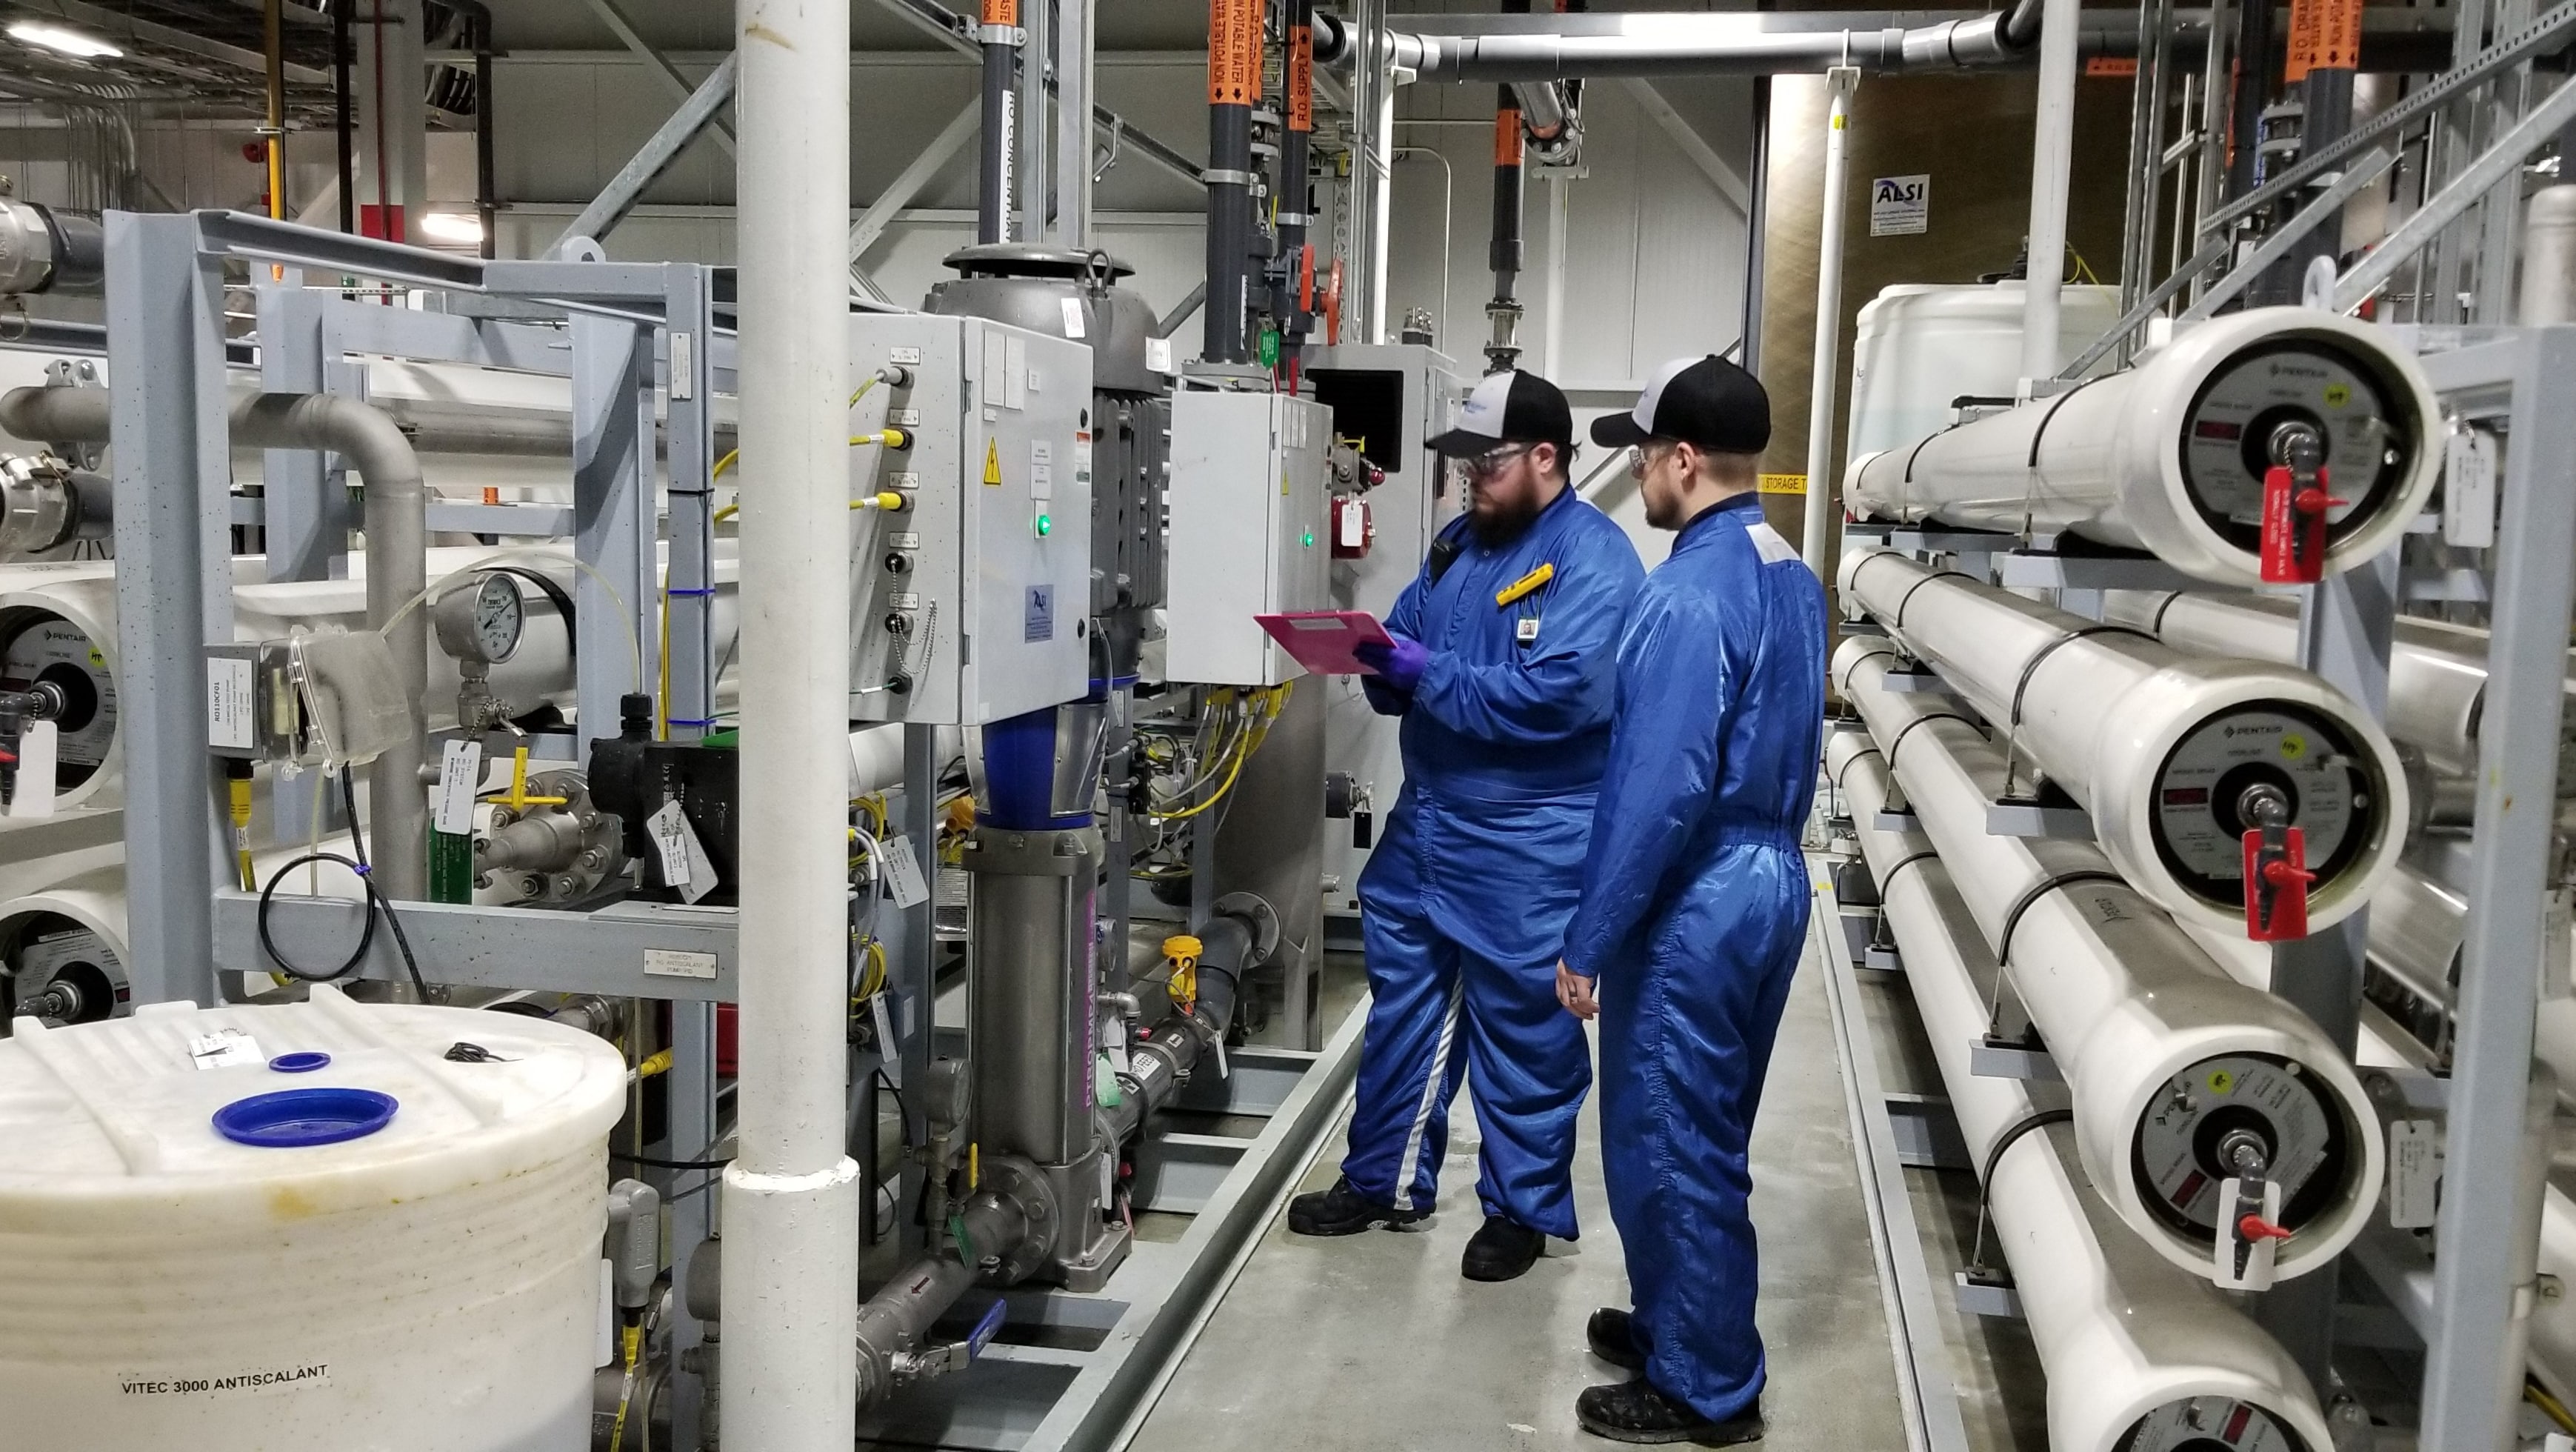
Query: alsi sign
(1900, 205)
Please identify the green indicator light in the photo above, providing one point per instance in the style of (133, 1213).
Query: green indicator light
(1309, 540)
(1046, 526)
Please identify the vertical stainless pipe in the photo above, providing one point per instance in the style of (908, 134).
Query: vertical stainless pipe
(2052, 162)
(998, 34)
(792, 1196)
(2549, 258)
(1813, 544)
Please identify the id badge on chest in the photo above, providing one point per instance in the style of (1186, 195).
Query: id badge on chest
(1526, 630)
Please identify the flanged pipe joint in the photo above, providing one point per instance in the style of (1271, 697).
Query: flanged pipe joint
(2171, 456)
(2171, 754)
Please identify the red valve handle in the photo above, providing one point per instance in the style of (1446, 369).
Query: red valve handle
(2313, 500)
(2282, 873)
(2276, 886)
(2255, 1227)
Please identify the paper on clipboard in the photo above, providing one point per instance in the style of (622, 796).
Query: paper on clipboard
(1322, 640)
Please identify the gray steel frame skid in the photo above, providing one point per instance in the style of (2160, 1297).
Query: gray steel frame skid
(635, 340)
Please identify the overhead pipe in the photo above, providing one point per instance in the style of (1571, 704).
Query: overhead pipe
(2131, 1347)
(1722, 50)
(2172, 1062)
(792, 1193)
(1503, 254)
(2052, 164)
(1234, 85)
(2437, 672)
(1296, 269)
(2170, 456)
(999, 36)
(2172, 755)
(1815, 544)
(398, 551)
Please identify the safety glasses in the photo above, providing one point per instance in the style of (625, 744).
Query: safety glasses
(1489, 463)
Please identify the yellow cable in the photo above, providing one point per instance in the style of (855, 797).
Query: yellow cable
(658, 1064)
(2534, 1393)
(723, 464)
(634, 1338)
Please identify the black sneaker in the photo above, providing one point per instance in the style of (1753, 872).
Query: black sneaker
(1612, 1335)
(1342, 1210)
(1504, 1250)
(1636, 1412)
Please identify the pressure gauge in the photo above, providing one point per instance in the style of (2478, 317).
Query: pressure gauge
(2210, 1424)
(482, 622)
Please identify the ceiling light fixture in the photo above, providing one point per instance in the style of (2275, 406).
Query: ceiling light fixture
(56, 37)
(452, 227)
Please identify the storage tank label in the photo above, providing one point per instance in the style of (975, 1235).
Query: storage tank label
(290, 1377)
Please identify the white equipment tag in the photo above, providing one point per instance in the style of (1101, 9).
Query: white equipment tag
(2414, 1172)
(460, 777)
(224, 1048)
(37, 751)
(903, 873)
(684, 858)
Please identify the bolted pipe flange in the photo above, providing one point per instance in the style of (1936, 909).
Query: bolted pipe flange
(1018, 1181)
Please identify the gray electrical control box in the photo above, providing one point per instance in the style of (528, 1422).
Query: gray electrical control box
(1247, 507)
(971, 604)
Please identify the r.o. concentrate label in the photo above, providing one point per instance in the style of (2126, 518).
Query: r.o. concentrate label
(236, 1383)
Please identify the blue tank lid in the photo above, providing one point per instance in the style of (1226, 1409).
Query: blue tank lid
(303, 1061)
(295, 1118)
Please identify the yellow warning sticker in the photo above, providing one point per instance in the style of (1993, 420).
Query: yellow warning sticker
(993, 462)
(2338, 394)
(1784, 483)
(2220, 1081)
(2294, 746)
(98, 657)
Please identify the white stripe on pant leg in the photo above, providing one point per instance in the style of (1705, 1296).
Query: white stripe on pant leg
(1430, 1097)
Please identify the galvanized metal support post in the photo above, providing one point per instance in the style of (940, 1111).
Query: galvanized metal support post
(689, 582)
(911, 964)
(613, 516)
(2346, 625)
(2510, 856)
(1033, 190)
(306, 521)
(654, 61)
(1073, 89)
(659, 150)
(171, 430)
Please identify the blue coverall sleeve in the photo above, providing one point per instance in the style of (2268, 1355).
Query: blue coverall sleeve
(1565, 685)
(1404, 619)
(1676, 688)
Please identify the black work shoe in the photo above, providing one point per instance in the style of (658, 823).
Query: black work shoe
(1504, 1250)
(1612, 1336)
(1636, 1412)
(1342, 1210)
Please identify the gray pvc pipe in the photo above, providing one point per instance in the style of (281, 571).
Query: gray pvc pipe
(397, 567)
(2549, 258)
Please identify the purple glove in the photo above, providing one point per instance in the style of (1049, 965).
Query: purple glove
(1400, 663)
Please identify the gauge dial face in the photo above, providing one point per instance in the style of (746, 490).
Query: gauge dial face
(51, 650)
(2179, 1166)
(2210, 1424)
(2199, 824)
(2227, 435)
(483, 623)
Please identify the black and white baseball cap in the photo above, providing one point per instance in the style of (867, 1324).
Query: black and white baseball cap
(1707, 402)
(1508, 408)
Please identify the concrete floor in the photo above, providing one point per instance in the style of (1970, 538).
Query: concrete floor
(1375, 1342)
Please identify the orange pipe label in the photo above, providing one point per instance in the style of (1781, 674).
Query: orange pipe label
(1001, 12)
(2324, 35)
(1301, 78)
(1507, 137)
(1234, 52)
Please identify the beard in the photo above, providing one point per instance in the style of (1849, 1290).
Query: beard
(1662, 511)
(1494, 521)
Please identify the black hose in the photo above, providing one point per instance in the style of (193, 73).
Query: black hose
(376, 903)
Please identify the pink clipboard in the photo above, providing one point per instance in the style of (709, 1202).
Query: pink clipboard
(1322, 640)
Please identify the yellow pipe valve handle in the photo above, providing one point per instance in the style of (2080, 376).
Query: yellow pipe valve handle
(1183, 951)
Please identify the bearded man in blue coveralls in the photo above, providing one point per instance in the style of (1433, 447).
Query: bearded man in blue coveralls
(1501, 664)
(1695, 902)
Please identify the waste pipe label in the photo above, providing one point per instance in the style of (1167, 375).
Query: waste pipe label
(237, 1383)
(2324, 35)
(1900, 205)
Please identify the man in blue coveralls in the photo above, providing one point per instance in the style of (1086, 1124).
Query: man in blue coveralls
(1695, 902)
(1502, 667)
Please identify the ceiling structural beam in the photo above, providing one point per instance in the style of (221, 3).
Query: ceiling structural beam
(1729, 184)
(125, 27)
(633, 39)
(660, 149)
(899, 193)
(287, 10)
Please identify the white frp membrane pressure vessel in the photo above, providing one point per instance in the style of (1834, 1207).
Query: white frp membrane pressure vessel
(433, 1283)
(1917, 348)
(2137, 1353)
(2157, 745)
(2164, 1051)
(2169, 456)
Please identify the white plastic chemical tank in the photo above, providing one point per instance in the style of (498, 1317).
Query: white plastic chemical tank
(187, 1262)
(1922, 346)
